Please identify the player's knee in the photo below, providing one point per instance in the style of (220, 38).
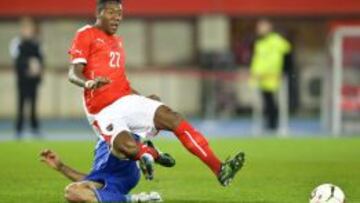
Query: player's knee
(75, 193)
(165, 118)
(174, 120)
(71, 198)
(71, 193)
(126, 147)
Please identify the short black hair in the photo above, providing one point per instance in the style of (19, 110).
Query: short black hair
(101, 4)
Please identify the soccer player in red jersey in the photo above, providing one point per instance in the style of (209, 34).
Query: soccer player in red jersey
(116, 110)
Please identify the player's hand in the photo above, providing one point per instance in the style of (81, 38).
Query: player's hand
(51, 159)
(154, 97)
(96, 83)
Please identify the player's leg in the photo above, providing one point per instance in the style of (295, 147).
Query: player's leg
(33, 112)
(165, 159)
(116, 187)
(111, 125)
(125, 146)
(82, 191)
(88, 191)
(270, 110)
(113, 193)
(20, 111)
(196, 143)
(123, 185)
(117, 134)
(144, 114)
(274, 112)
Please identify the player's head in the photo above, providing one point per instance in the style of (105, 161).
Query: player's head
(263, 27)
(28, 27)
(109, 15)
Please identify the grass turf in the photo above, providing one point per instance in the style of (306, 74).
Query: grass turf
(277, 170)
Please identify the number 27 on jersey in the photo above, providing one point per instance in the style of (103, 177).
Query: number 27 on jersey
(114, 59)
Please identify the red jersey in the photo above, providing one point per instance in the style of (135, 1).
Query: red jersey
(104, 56)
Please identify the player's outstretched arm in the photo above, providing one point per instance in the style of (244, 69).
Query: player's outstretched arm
(53, 160)
(77, 77)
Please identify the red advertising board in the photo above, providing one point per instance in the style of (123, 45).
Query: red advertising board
(184, 7)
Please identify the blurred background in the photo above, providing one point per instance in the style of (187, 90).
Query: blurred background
(198, 56)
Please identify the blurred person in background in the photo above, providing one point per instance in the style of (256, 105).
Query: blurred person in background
(28, 62)
(267, 68)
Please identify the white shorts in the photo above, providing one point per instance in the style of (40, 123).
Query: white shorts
(132, 113)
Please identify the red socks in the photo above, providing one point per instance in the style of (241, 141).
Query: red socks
(196, 143)
(144, 149)
(193, 141)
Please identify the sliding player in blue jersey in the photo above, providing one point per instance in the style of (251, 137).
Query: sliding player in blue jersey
(110, 180)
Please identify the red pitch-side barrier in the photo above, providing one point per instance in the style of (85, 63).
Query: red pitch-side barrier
(13, 8)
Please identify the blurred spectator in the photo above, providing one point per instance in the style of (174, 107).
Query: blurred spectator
(28, 62)
(267, 68)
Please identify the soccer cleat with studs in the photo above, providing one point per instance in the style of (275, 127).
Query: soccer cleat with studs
(229, 169)
(146, 164)
(164, 159)
(145, 197)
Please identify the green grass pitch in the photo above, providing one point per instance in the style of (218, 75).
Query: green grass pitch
(277, 170)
